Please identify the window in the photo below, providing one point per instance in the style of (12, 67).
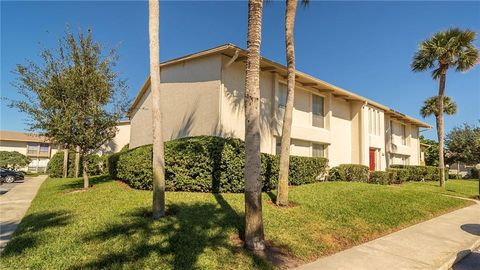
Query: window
(396, 159)
(317, 111)
(32, 148)
(44, 148)
(403, 133)
(282, 95)
(318, 150)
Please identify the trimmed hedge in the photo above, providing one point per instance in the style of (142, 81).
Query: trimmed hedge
(418, 173)
(349, 172)
(96, 165)
(379, 177)
(208, 164)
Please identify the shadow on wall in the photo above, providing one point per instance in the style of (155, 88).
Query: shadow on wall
(189, 120)
(178, 239)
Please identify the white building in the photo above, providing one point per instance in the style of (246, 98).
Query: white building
(202, 94)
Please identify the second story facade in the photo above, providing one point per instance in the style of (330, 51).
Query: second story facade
(202, 94)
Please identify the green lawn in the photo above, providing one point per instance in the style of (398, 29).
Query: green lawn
(109, 226)
(462, 188)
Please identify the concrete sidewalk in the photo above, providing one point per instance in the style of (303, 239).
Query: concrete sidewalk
(14, 205)
(434, 244)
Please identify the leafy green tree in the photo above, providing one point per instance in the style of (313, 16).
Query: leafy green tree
(73, 97)
(13, 159)
(451, 49)
(463, 144)
(431, 152)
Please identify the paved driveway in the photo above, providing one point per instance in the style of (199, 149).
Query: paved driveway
(6, 187)
(14, 204)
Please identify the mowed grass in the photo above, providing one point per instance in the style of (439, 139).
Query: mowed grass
(467, 188)
(109, 225)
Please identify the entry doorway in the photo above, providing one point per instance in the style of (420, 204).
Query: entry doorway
(373, 159)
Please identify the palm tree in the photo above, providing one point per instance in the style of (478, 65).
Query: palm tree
(453, 49)
(158, 163)
(282, 193)
(254, 234)
(430, 107)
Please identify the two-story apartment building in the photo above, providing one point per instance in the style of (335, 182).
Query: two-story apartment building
(37, 148)
(202, 94)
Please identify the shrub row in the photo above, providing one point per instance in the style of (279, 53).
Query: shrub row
(417, 173)
(349, 172)
(96, 165)
(208, 164)
(396, 174)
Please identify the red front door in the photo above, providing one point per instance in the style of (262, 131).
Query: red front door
(372, 159)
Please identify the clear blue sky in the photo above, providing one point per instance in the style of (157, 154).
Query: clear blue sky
(364, 47)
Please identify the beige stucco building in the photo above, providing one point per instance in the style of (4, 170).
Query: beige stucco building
(37, 148)
(40, 150)
(202, 94)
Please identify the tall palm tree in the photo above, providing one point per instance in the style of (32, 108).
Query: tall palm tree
(254, 234)
(282, 193)
(451, 49)
(158, 163)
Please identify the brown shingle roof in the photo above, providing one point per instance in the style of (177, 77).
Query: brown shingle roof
(6, 135)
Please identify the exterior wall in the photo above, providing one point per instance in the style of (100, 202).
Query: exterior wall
(205, 96)
(121, 139)
(232, 113)
(189, 101)
(395, 145)
(38, 163)
(11, 146)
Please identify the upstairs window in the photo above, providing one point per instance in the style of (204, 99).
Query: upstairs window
(32, 148)
(282, 95)
(44, 148)
(317, 111)
(403, 132)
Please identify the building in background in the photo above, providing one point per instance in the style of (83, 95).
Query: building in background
(202, 94)
(37, 148)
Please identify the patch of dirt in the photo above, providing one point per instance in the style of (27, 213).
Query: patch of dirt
(290, 205)
(278, 255)
(122, 184)
(78, 190)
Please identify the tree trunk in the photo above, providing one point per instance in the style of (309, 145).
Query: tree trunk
(441, 94)
(77, 161)
(158, 165)
(65, 162)
(282, 194)
(254, 235)
(86, 183)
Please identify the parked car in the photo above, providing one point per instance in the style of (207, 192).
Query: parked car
(10, 176)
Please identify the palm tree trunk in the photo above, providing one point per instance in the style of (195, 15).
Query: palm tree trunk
(65, 162)
(77, 161)
(254, 234)
(441, 94)
(86, 183)
(282, 194)
(158, 165)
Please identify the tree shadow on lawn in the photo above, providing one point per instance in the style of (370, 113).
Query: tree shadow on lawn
(78, 183)
(27, 234)
(178, 239)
